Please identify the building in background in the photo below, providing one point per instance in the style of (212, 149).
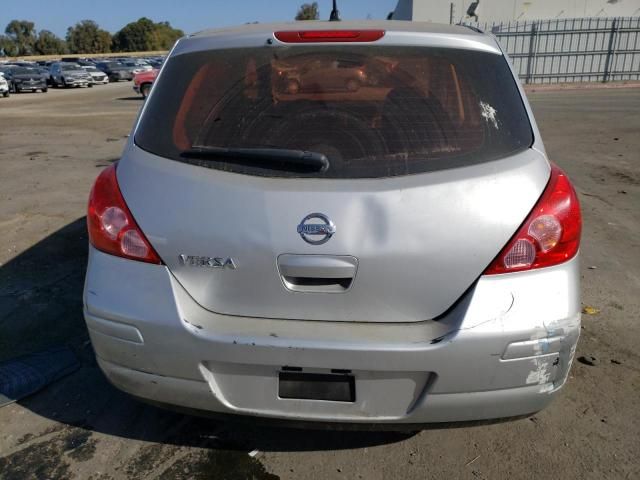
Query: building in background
(550, 41)
(489, 11)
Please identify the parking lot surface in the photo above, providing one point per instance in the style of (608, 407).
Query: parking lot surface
(53, 145)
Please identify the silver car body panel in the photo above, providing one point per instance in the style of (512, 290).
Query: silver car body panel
(259, 215)
(396, 33)
(504, 350)
(426, 336)
(406, 230)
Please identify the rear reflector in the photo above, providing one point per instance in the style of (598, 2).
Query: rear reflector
(112, 228)
(551, 233)
(319, 36)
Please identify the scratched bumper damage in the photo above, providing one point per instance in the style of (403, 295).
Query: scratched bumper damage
(505, 349)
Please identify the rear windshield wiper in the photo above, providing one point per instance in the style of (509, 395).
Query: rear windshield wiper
(265, 158)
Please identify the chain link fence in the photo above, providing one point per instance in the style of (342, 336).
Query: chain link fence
(572, 50)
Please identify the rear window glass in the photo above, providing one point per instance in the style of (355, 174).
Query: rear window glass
(373, 111)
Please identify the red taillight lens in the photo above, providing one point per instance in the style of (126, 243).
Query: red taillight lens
(112, 228)
(551, 233)
(310, 36)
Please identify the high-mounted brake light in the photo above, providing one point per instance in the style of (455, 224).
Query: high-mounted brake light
(112, 228)
(319, 36)
(551, 233)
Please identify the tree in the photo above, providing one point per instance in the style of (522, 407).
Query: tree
(7, 47)
(145, 35)
(87, 37)
(48, 43)
(308, 11)
(134, 37)
(165, 36)
(22, 34)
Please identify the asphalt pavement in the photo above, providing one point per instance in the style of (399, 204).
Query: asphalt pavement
(53, 145)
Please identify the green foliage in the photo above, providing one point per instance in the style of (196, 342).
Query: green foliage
(166, 36)
(308, 11)
(87, 37)
(7, 47)
(22, 34)
(145, 35)
(48, 43)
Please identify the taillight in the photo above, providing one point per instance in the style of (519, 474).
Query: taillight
(311, 36)
(551, 233)
(112, 228)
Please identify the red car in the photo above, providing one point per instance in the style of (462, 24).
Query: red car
(143, 81)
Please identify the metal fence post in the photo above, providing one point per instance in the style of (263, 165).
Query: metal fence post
(532, 48)
(607, 63)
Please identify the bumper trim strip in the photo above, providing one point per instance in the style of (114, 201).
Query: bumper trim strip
(532, 348)
(121, 331)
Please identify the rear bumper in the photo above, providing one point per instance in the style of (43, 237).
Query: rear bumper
(29, 87)
(504, 350)
(76, 82)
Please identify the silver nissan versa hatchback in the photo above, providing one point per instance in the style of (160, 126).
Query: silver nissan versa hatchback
(339, 222)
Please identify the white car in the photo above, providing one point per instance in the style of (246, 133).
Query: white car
(97, 76)
(138, 66)
(4, 86)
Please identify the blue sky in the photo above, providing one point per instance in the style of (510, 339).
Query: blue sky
(189, 15)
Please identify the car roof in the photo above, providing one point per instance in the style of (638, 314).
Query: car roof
(397, 32)
(390, 25)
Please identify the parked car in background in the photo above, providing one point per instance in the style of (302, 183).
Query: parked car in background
(24, 79)
(44, 74)
(321, 74)
(155, 62)
(138, 66)
(80, 61)
(143, 82)
(397, 253)
(21, 64)
(66, 74)
(116, 71)
(97, 76)
(4, 85)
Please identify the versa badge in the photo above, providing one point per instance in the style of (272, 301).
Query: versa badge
(210, 262)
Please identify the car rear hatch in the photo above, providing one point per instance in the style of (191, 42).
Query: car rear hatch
(429, 175)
